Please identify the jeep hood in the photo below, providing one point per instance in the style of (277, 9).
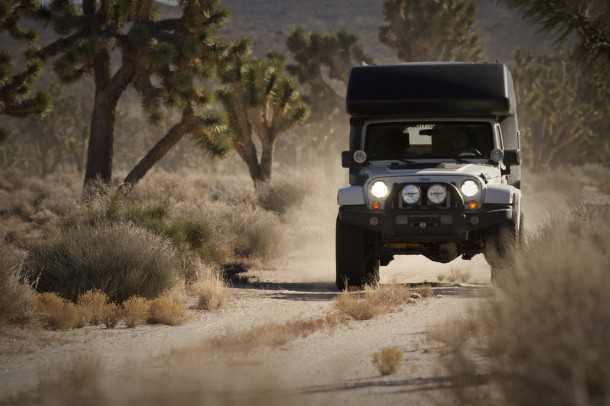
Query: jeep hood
(487, 173)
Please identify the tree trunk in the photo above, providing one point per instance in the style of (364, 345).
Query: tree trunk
(266, 161)
(101, 138)
(169, 140)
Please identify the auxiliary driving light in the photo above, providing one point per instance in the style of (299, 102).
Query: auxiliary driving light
(437, 194)
(380, 190)
(411, 194)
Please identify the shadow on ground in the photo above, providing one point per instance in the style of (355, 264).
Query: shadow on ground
(324, 291)
(411, 385)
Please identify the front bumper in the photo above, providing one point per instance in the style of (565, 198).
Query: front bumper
(426, 225)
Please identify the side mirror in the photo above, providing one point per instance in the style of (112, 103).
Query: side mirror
(350, 159)
(346, 159)
(512, 157)
(496, 155)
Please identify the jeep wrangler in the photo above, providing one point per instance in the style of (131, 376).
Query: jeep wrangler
(434, 168)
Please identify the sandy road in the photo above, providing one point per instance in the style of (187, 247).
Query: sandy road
(328, 365)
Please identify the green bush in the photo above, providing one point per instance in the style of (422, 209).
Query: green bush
(120, 259)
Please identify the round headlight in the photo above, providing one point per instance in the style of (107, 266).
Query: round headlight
(437, 194)
(469, 188)
(411, 194)
(379, 190)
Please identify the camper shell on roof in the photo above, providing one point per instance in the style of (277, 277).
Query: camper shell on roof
(443, 89)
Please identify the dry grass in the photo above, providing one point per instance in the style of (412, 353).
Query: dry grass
(282, 195)
(57, 312)
(15, 297)
(424, 291)
(272, 335)
(93, 306)
(135, 311)
(457, 276)
(210, 290)
(543, 339)
(111, 315)
(84, 381)
(169, 309)
(387, 361)
(372, 302)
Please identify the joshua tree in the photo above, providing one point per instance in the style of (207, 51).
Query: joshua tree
(562, 110)
(52, 141)
(161, 58)
(15, 88)
(431, 30)
(588, 19)
(322, 63)
(261, 102)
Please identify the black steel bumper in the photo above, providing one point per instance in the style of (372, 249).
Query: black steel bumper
(426, 225)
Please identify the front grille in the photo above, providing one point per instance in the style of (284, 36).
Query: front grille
(424, 203)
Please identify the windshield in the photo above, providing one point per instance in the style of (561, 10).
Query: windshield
(408, 140)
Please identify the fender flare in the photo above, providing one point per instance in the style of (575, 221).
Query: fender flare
(351, 196)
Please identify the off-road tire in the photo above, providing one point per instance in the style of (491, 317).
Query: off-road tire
(501, 247)
(356, 263)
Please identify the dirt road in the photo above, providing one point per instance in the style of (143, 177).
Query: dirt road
(331, 364)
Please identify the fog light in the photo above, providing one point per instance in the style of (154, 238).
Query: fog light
(373, 221)
(474, 220)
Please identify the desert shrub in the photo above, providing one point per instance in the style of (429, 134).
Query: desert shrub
(424, 291)
(59, 313)
(15, 296)
(282, 195)
(387, 361)
(273, 334)
(458, 276)
(111, 315)
(210, 290)
(135, 310)
(121, 260)
(544, 338)
(93, 306)
(257, 233)
(373, 302)
(168, 308)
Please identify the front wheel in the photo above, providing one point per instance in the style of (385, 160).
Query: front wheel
(356, 263)
(501, 247)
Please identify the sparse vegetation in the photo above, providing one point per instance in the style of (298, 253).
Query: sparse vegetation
(272, 335)
(209, 290)
(93, 306)
(456, 276)
(372, 302)
(15, 297)
(58, 313)
(111, 315)
(387, 361)
(424, 291)
(558, 353)
(169, 309)
(136, 310)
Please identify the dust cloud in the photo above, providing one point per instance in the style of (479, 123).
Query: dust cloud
(309, 246)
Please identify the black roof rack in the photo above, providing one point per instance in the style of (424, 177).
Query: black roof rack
(431, 89)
